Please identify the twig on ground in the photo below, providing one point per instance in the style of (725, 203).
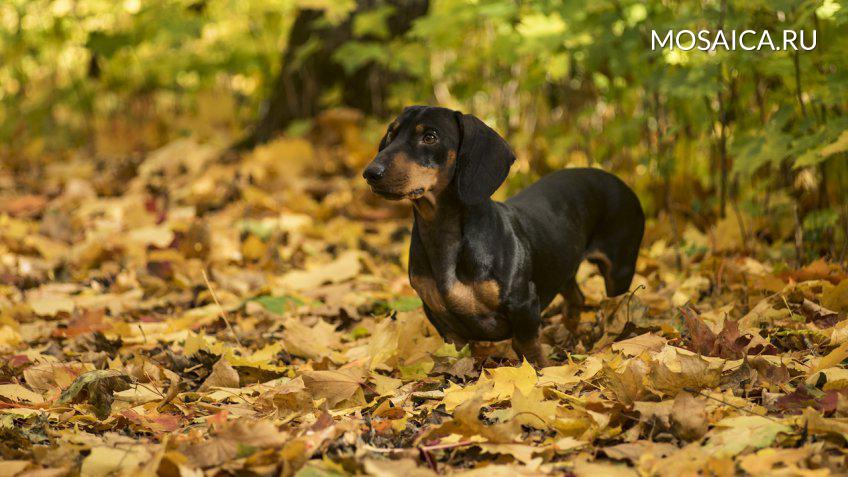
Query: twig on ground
(734, 406)
(221, 311)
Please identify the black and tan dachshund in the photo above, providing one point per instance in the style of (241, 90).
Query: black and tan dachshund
(485, 270)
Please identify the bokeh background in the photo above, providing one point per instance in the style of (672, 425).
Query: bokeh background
(748, 147)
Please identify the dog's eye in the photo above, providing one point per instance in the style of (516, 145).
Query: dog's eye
(429, 138)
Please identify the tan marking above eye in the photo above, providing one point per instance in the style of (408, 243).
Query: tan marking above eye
(419, 128)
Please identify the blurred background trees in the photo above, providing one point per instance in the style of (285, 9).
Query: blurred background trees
(754, 143)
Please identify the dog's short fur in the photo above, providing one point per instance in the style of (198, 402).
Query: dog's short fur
(485, 270)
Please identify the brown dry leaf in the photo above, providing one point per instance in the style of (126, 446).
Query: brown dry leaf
(334, 386)
(592, 469)
(817, 424)
(628, 382)
(222, 376)
(633, 451)
(345, 267)
(51, 376)
(673, 369)
(726, 235)
(639, 344)
(393, 468)
(19, 394)
(836, 356)
(315, 342)
(240, 436)
(290, 396)
(689, 417)
(780, 461)
(466, 422)
(10, 468)
(50, 304)
(836, 298)
(655, 413)
(104, 461)
(701, 336)
(23, 205)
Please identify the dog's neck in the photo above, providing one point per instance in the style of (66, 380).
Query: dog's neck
(439, 223)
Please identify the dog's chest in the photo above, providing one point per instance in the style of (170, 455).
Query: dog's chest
(464, 299)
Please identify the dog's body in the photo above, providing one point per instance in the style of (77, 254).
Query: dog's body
(485, 270)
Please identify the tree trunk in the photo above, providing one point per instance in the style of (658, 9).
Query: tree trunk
(308, 69)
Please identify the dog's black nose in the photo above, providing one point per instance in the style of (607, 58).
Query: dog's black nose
(374, 172)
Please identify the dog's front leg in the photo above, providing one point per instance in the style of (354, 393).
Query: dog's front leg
(526, 319)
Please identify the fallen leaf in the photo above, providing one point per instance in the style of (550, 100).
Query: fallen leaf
(104, 461)
(836, 298)
(508, 379)
(674, 370)
(733, 435)
(222, 376)
(639, 344)
(334, 386)
(19, 394)
(532, 410)
(239, 438)
(633, 451)
(96, 388)
(345, 267)
(689, 417)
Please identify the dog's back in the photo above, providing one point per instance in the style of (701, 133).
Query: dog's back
(580, 213)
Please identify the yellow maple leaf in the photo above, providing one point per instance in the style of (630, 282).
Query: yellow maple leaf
(508, 379)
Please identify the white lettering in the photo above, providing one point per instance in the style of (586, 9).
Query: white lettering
(766, 39)
(787, 40)
(691, 39)
(742, 40)
(704, 40)
(721, 40)
(805, 47)
(656, 38)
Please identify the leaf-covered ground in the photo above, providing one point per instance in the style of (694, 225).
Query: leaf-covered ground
(190, 312)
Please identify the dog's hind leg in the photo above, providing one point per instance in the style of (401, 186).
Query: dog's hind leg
(573, 305)
(616, 266)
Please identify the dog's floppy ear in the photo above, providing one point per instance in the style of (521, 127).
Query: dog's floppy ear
(484, 160)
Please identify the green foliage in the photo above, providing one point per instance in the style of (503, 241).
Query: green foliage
(575, 82)
(65, 62)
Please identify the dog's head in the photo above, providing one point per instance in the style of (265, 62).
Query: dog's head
(426, 149)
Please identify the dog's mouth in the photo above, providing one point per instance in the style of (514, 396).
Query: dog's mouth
(391, 195)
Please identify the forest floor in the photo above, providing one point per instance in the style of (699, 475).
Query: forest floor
(253, 316)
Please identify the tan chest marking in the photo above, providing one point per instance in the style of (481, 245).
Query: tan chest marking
(470, 299)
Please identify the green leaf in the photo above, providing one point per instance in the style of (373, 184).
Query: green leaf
(277, 304)
(354, 55)
(405, 303)
(373, 22)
